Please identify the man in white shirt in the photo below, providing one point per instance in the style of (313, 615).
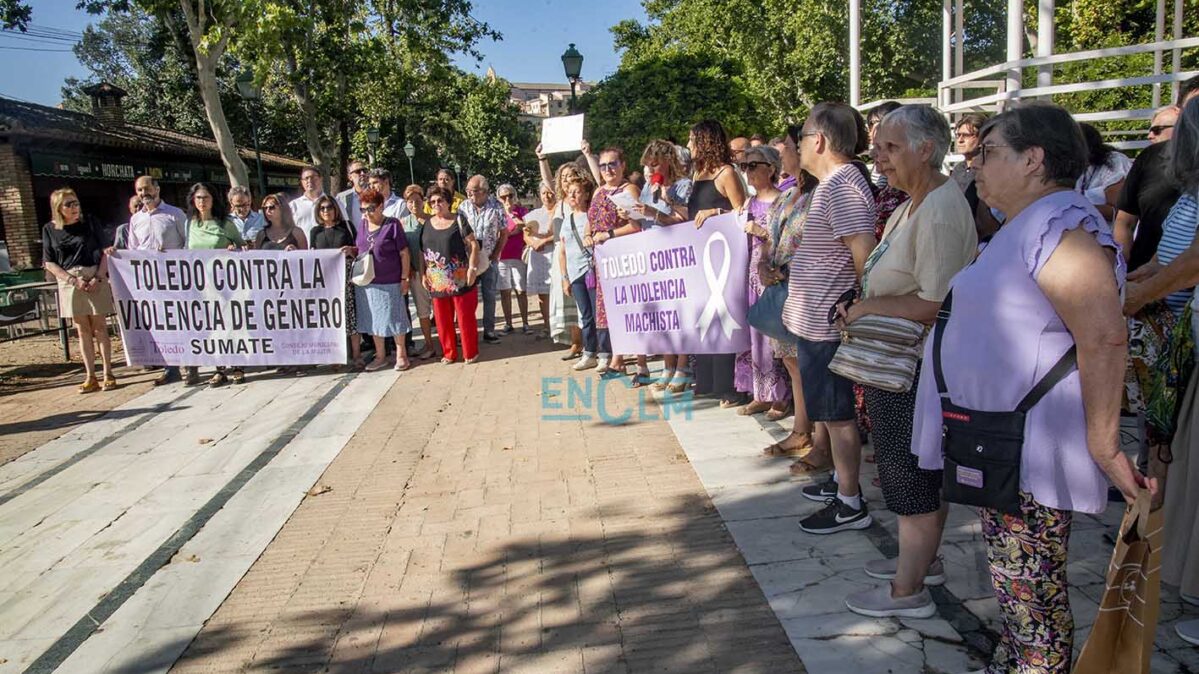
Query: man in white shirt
(303, 206)
(393, 205)
(357, 172)
(159, 225)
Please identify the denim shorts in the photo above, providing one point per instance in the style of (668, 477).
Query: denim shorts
(827, 396)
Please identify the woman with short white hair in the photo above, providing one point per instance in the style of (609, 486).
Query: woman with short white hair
(511, 266)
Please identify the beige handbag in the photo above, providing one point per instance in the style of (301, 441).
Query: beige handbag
(880, 351)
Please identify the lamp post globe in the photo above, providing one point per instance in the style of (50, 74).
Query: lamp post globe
(572, 63)
(246, 88)
(411, 152)
(372, 135)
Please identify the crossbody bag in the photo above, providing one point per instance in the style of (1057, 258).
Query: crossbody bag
(766, 314)
(589, 279)
(982, 450)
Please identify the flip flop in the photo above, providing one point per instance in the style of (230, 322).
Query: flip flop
(750, 409)
(779, 415)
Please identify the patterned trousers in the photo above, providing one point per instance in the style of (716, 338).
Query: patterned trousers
(1027, 555)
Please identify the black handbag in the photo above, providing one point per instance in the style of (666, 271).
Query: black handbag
(982, 450)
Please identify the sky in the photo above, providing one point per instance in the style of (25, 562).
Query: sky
(535, 32)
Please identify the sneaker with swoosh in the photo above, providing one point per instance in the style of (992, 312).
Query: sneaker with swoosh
(836, 516)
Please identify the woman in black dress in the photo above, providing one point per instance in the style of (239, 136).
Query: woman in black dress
(716, 189)
(333, 232)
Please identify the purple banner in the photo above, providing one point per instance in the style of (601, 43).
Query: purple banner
(210, 307)
(677, 289)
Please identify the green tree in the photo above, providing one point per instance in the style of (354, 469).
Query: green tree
(663, 95)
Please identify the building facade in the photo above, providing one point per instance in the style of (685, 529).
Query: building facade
(99, 156)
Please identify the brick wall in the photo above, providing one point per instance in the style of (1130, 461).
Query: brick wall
(21, 228)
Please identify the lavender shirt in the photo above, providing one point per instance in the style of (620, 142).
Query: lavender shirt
(1003, 336)
(389, 242)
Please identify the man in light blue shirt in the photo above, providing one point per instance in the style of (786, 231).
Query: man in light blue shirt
(351, 208)
(393, 205)
(241, 211)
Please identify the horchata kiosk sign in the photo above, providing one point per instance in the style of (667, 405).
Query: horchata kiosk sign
(236, 308)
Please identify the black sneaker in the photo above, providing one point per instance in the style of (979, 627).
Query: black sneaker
(822, 491)
(490, 339)
(835, 516)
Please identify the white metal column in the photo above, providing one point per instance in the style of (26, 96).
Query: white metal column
(855, 52)
(1159, 34)
(1177, 55)
(944, 96)
(1045, 39)
(959, 44)
(1015, 43)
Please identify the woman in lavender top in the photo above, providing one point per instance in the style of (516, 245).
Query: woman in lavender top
(757, 372)
(1048, 280)
(382, 310)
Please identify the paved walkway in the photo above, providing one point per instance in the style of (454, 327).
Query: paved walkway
(501, 517)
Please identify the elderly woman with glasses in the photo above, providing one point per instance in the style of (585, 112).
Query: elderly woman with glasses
(539, 237)
(927, 240)
(73, 252)
(513, 270)
(382, 311)
(1046, 287)
(965, 138)
(758, 372)
(605, 222)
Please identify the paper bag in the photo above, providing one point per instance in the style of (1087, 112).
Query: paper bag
(1121, 641)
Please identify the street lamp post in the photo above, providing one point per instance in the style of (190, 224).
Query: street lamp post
(411, 152)
(250, 93)
(372, 138)
(457, 172)
(572, 62)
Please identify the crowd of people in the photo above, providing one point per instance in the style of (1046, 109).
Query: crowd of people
(1045, 275)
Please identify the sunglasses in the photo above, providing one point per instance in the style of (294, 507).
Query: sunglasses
(1157, 129)
(71, 204)
(846, 298)
(436, 200)
(358, 171)
(327, 207)
(270, 207)
(369, 209)
(748, 166)
(609, 166)
(506, 197)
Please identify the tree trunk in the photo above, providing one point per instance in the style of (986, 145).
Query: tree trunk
(210, 93)
(312, 133)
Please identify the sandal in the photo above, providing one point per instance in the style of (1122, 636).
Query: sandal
(572, 354)
(447, 361)
(218, 379)
(403, 365)
(239, 376)
(643, 379)
(89, 385)
(376, 365)
(754, 407)
(730, 403)
(779, 415)
(778, 450)
(803, 467)
(427, 353)
(110, 384)
(472, 361)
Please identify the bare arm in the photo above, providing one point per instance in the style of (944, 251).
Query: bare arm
(729, 184)
(1110, 196)
(543, 165)
(1180, 274)
(912, 307)
(1079, 282)
(1122, 231)
(592, 163)
(860, 245)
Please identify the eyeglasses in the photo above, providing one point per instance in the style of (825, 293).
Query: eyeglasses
(748, 166)
(609, 166)
(506, 197)
(476, 190)
(369, 209)
(1157, 129)
(981, 151)
(239, 206)
(71, 204)
(358, 171)
(966, 134)
(436, 200)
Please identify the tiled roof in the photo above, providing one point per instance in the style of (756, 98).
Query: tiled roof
(19, 118)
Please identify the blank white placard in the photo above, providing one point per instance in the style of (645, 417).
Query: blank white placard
(562, 134)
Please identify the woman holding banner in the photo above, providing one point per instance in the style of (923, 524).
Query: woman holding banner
(333, 232)
(605, 222)
(669, 188)
(209, 228)
(716, 189)
(757, 371)
(281, 232)
(73, 251)
(380, 304)
(564, 318)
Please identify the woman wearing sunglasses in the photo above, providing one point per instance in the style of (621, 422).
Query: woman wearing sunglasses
(382, 309)
(280, 232)
(72, 250)
(333, 232)
(606, 222)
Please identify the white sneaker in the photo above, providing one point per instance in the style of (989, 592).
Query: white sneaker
(1188, 631)
(585, 363)
(602, 364)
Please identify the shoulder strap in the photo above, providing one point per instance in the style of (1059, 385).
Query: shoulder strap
(1056, 374)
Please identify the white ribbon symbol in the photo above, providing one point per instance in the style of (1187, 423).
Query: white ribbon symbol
(716, 306)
